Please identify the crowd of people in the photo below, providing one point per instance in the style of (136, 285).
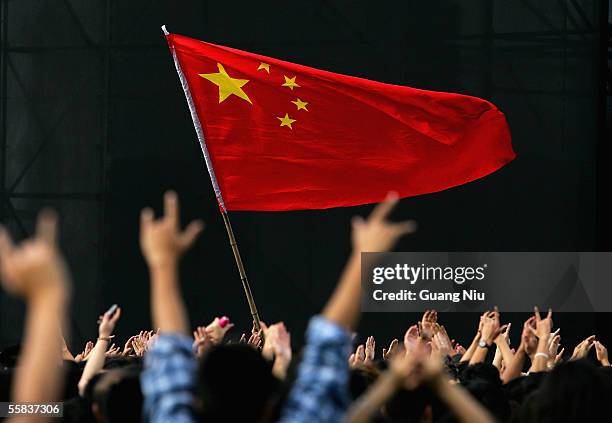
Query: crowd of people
(176, 373)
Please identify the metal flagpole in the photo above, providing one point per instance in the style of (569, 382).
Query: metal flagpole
(211, 172)
(243, 277)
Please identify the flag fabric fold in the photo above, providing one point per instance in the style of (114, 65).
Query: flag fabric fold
(282, 136)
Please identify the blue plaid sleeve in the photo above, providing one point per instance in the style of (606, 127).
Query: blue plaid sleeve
(320, 392)
(168, 380)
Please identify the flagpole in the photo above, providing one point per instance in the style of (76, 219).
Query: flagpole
(243, 277)
(213, 179)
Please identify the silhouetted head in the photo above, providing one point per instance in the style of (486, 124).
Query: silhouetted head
(236, 384)
(117, 396)
(410, 406)
(480, 371)
(571, 392)
(360, 380)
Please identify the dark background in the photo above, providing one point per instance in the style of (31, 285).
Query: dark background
(95, 124)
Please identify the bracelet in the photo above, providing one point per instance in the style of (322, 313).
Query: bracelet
(105, 338)
(541, 354)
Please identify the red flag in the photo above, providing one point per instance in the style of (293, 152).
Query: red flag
(282, 136)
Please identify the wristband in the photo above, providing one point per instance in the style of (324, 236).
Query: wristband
(105, 338)
(541, 354)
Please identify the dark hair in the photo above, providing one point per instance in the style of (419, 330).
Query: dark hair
(360, 380)
(72, 375)
(118, 396)
(119, 362)
(480, 371)
(572, 391)
(235, 383)
(491, 396)
(408, 406)
(78, 410)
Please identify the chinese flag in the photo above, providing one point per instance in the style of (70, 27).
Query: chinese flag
(282, 136)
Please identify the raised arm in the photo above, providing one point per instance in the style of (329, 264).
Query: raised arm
(376, 234)
(96, 359)
(542, 332)
(168, 379)
(163, 243)
(320, 392)
(35, 271)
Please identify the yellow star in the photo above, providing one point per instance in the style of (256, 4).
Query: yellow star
(290, 82)
(301, 105)
(286, 120)
(264, 66)
(227, 84)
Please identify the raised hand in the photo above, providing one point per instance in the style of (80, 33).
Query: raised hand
(543, 327)
(33, 267)
(602, 353)
(459, 349)
(357, 359)
(553, 346)
(128, 349)
(377, 234)
(114, 350)
(255, 339)
(411, 337)
(370, 350)
(528, 338)
(428, 322)
(388, 354)
(491, 328)
(162, 240)
(277, 346)
(583, 348)
(85, 354)
(108, 322)
(441, 344)
(202, 341)
(216, 331)
(140, 342)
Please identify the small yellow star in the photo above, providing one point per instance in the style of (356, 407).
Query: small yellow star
(286, 120)
(264, 66)
(227, 85)
(301, 105)
(290, 82)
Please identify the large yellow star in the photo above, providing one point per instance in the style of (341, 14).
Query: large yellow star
(264, 66)
(227, 85)
(290, 82)
(301, 105)
(286, 120)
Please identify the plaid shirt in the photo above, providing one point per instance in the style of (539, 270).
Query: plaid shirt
(320, 392)
(168, 380)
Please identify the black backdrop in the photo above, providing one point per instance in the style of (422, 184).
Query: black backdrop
(96, 125)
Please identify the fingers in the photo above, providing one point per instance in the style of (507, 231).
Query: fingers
(46, 226)
(146, 218)
(171, 207)
(382, 210)
(190, 234)
(116, 316)
(406, 227)
(6, 243)
(357, 222)
(536, 313)
(549, 315)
